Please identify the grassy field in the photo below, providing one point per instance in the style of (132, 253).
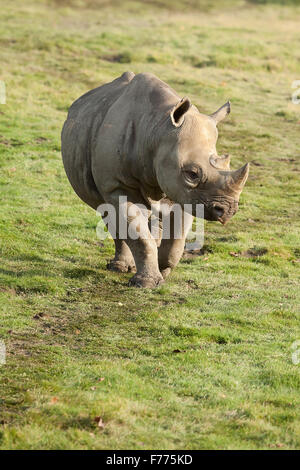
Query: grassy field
(203, 362)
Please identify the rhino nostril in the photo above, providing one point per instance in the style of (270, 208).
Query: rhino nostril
(219, 211)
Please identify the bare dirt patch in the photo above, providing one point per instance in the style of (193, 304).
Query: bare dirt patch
(250, 253)
(190, 254)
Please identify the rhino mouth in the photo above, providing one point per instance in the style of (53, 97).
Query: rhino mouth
(220, 212)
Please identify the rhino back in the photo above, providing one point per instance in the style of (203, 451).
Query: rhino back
(84, 120)
(130, 134)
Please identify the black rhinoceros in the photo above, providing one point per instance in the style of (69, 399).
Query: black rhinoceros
(135, 137)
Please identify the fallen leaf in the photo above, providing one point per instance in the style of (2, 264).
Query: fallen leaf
(38, 316)
(53, 400)
(77, 332)
(99, 422)
(193, 284)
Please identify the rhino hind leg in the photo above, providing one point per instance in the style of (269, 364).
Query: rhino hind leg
(169, 255)
(123, 261)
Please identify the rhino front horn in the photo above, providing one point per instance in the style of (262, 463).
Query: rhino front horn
(239, 177)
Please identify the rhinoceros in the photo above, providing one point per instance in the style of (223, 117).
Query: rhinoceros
(136, 138)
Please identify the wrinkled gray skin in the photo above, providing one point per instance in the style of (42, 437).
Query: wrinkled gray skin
(135, 137)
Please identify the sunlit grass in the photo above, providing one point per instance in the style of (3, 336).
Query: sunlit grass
(205, 360)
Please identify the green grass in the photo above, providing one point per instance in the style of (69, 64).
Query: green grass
(203, 362)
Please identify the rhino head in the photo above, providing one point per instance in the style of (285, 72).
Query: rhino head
(188, 168)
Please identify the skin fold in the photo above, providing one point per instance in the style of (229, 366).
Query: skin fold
(136, 137)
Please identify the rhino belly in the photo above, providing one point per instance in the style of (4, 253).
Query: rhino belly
(77, 162)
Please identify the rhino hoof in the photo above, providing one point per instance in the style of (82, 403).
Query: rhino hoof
(120, 267)
(146, 282)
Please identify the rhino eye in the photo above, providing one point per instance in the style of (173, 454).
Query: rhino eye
(192, 176)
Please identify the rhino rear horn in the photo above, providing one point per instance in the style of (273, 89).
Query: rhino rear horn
(221, 113)
(239, 177)
(179, 110)
(220, 163)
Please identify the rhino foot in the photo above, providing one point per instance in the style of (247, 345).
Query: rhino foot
(145, 281)
(120, 267)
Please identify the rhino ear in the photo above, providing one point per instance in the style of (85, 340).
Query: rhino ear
(179, 110)
(221, 113)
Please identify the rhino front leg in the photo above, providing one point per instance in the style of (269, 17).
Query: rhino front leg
(123, 261)
(146, 260)
(171, 248)
(131, 227)
(143, 247)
